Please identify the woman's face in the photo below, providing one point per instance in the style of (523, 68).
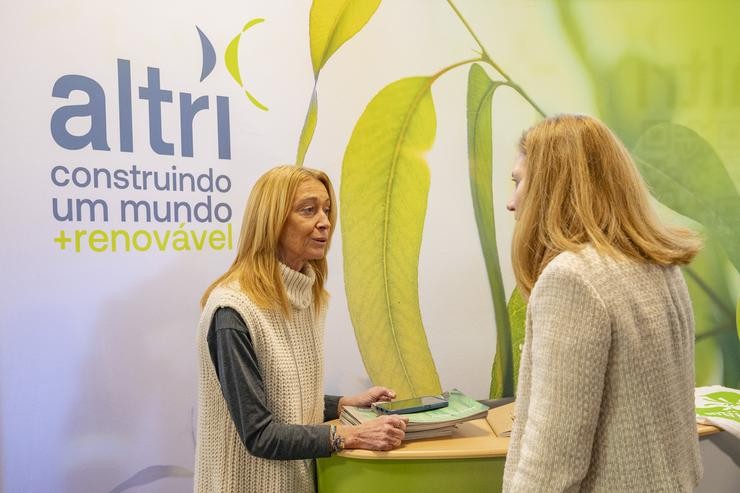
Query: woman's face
(305, 234)
(518, 176)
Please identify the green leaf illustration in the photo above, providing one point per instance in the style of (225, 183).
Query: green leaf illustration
(636, 92)
(480, 157)
(231, 58)
(384, 191)
(730, 348)
(517, 318)
(637, 84)
(711, 301)
(308, 128)
(686, 174)
(723, 398)
(332, 23)
(721, 405)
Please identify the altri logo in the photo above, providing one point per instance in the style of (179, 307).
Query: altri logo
(155, 96)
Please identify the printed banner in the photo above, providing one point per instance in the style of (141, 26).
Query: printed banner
(133, 133)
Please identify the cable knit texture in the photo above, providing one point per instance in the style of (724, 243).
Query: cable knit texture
(290, 354)
(606, 382)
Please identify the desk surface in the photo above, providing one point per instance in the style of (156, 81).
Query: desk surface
(706, 430)
(473, 439)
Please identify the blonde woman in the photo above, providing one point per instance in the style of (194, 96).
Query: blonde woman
(260, 347)
(605, 399)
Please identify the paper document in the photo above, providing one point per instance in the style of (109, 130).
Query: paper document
(501, 420)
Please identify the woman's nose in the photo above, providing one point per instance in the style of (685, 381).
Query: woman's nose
(324, 222)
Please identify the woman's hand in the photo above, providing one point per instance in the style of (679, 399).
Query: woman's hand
(383, 433)
(373, 394)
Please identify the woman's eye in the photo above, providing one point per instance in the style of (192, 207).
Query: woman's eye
(308, 211)
(327, 211)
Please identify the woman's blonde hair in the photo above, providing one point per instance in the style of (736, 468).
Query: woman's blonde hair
(581, 186)
(256, 267)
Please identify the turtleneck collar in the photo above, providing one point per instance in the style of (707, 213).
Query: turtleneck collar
(299, 285)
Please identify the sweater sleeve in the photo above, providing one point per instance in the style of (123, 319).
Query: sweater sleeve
(570, 349)
(237, 368)
(331, 407)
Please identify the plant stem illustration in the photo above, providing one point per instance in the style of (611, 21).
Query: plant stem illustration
(385, 187)
(385, 182)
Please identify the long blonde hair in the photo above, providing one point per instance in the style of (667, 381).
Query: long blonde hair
(581, 186)
(256, 266)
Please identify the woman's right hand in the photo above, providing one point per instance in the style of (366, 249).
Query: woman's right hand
(382, 433)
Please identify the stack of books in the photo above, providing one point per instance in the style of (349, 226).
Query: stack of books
(426, 424)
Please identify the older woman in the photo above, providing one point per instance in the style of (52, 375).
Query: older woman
(260, 344)
(605, 400)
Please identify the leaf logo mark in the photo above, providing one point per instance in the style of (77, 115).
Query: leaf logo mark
(209, 55)
(232, 62)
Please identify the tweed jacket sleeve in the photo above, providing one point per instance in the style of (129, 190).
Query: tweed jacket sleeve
(238, 372)
(570, 338)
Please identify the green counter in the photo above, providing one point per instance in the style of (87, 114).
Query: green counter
(341, 474)
(470, 461)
